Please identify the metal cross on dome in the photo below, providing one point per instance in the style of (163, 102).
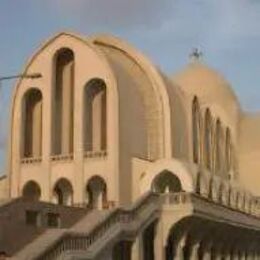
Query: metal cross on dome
(196, 54)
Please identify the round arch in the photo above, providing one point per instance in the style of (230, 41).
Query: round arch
(166, 181)
(49, 48)
(180, 170)
(31, 191)
(96, 192)
(63, 192)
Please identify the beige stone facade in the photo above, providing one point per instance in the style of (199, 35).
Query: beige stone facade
(103, 127)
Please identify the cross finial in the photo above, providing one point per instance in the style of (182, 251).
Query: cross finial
(196, 54)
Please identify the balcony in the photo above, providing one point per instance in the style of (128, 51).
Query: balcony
(95, 154)
(62, 157)
(31, 160)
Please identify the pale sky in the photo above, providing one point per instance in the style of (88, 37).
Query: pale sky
(227, 31)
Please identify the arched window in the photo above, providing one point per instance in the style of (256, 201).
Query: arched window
(63, 193)
(218, 147)
(96, 191)
(31, 191)
(62, 119)
(95, 117)
(208, 140)
(32, 124)
(196, 130)
(228, 150)
(166, 182)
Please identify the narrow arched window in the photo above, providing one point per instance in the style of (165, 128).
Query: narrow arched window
(208, 140)
(218, 147)
(62, 119)
(95, 116)
(196, 130)
(228, 150)
(32, 124)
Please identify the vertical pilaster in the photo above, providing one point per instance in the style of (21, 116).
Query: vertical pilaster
(137, 248)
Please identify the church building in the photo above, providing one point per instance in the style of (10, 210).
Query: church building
(109, 158)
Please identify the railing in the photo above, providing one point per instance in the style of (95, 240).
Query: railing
(176, 198)
(95, 154)
(31, 160)
(75, 241)
(62, 157)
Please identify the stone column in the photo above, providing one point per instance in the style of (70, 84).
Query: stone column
(137, 248)
(178, 254)
(159, 246)
(242, 255)
(194, 252)
(206, 254)
(234, 254)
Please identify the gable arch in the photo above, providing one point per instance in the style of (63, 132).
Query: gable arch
(47, 51)
(158, 109)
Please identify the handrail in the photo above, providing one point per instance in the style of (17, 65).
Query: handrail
(80, 241)
(75, 241)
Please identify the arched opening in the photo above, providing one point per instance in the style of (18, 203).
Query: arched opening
(122, 250)
(32, 123)
(63, 193)
(228, 150)
(96, 192)
(218, 148)
(31, 191)
(148, 238)
(165, 182)
(196, 130)
(208, 140)
(63, 96)
(95, 116)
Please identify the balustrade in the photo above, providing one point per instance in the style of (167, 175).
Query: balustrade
(31, 160)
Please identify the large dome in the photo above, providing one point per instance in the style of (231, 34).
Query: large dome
(209, 86)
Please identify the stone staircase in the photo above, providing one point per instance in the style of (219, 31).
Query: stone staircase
(93, 232)
(52, 236)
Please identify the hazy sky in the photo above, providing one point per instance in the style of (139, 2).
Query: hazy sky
(227, 31)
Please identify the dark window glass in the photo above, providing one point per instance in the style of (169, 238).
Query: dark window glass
(32, 218)
(53, 220)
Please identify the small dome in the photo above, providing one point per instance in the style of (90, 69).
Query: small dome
(209, 86)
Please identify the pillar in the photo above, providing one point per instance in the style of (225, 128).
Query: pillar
(137, 248)
(206, 254)
(179, 251)
(194, 252)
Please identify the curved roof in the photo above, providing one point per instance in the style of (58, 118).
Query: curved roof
(204, 82)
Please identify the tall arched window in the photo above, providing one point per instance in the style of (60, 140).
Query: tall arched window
(218, 147)
(95, 116)
(228, 150)
(196, 130)
(32, 124)
(62, 119)
(208, 140)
